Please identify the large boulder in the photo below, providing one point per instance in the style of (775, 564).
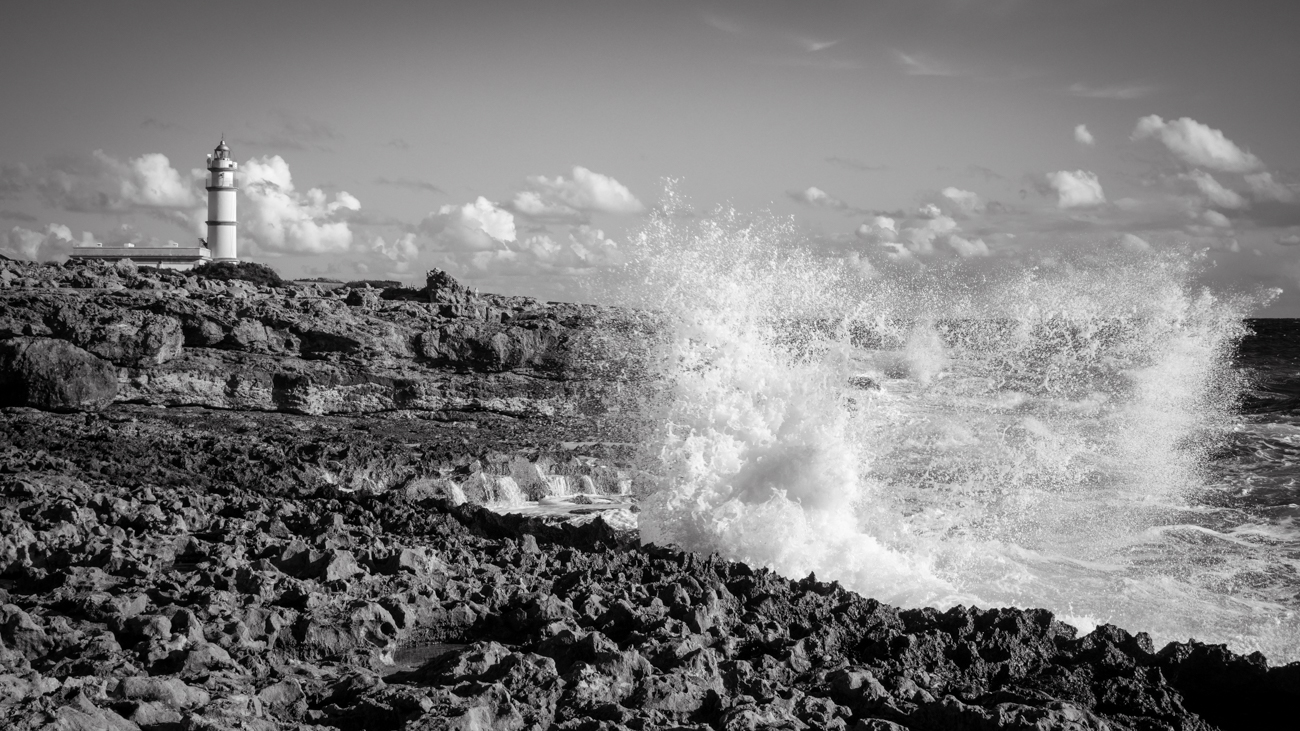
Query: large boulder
(54, 375)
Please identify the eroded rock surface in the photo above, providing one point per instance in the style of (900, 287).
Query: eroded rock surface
(177, 340)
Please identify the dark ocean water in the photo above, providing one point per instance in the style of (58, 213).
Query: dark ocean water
(1262, 461)
(1239, 533)
(1253, 485)
(1257, 473)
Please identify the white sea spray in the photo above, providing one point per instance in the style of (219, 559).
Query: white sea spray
(1035, 440)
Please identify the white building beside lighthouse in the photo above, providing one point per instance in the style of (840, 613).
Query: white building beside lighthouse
(221, 204)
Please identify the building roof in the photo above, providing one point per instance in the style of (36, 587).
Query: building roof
(141, 252)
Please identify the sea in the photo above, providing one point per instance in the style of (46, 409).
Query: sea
(1090, 430)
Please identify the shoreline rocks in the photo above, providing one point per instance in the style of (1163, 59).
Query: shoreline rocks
(178, 340)
(318, 561)
(282, 605)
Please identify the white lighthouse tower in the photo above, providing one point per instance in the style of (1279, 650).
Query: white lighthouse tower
(221, 204)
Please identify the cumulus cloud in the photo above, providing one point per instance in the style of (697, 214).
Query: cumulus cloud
(966, 248)
(922, 233)
(482, 239)
(52, 244)
(963, 200)
(1216, 219)
(477, 226)
(150, 180)
(1083, 136)
(99, 182)
(1077, 189)
(581, 247)
(1263, 187)
(561, 253)
(921, 237)
(817, 198)
(586, 192)
(591, 246)
(1214, 191)
(543, 246)
(1197, 144)
(502, 262)
(278, 218)
(1291, 239)
(879, 229)
(402, 251)
(897, 252)
(1133, 243)
(534, 205)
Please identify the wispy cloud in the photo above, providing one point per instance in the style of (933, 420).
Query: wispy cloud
(852, 164)
(370, 218)
(155, 123)
(984, 172)
(777, 46)
(726, 25)
(17, 216)
(920, 64)
(822, 63)
(293, 131)
(409, 183)
(14, 179)
(1118, 91)
(812, 45)
(397, 143)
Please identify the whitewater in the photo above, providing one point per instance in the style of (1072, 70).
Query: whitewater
(1049, 435)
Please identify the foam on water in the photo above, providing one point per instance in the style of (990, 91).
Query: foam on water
(1039, 436)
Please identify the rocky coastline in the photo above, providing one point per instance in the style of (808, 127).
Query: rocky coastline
(227, 506)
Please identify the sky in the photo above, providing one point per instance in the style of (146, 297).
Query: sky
(519, 145)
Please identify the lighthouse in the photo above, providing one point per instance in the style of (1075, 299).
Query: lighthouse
(221, 204)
